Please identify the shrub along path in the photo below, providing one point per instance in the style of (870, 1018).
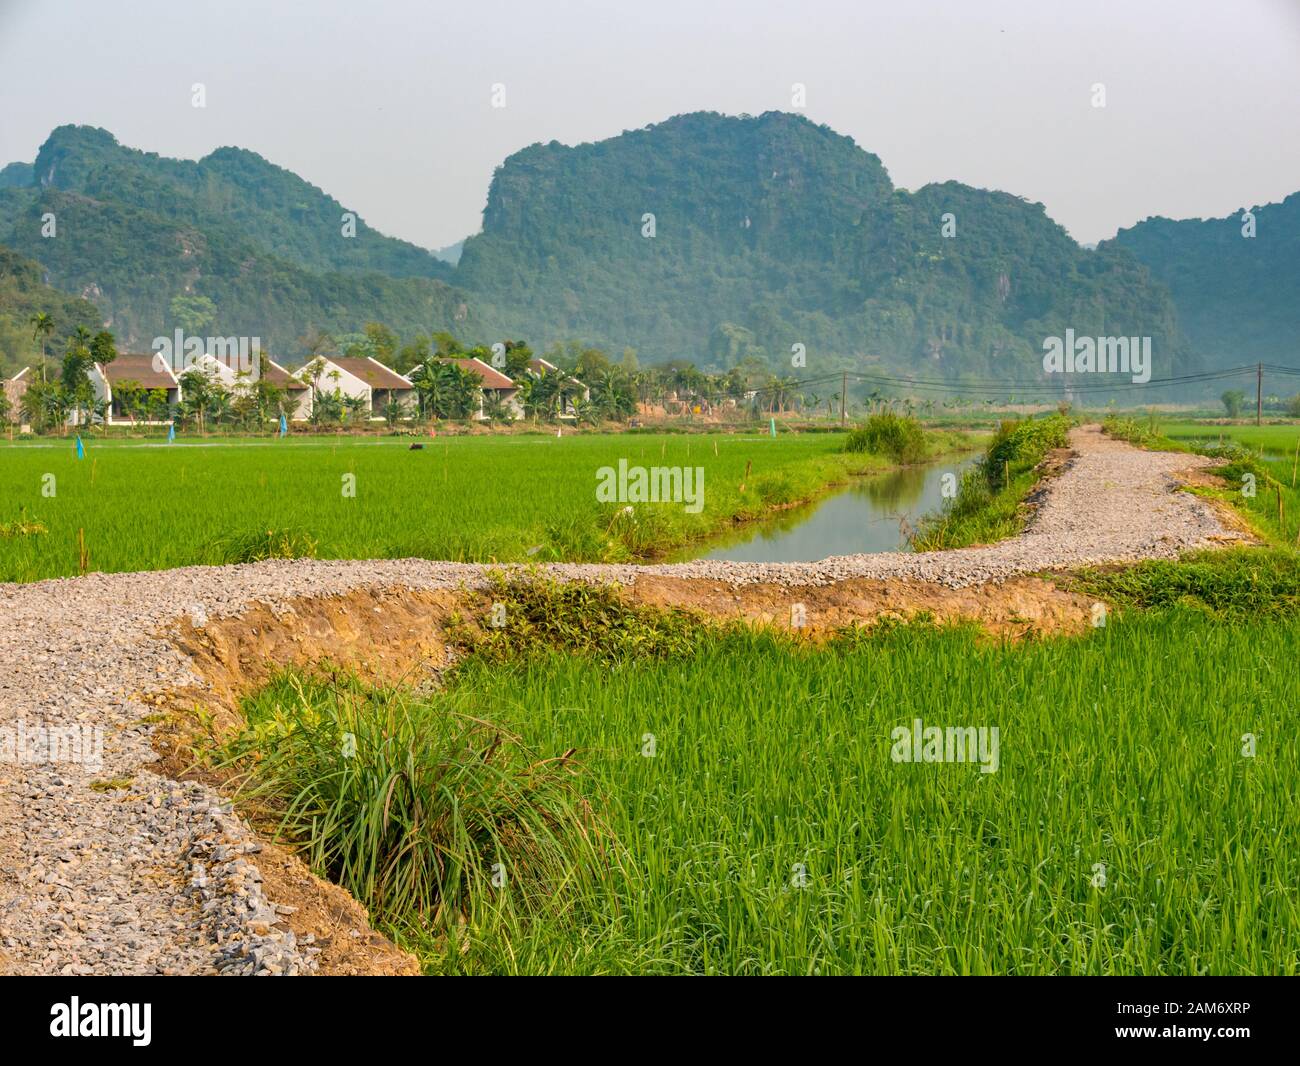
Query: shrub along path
(111, 868)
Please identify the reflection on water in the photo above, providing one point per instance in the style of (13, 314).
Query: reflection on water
(873, 515)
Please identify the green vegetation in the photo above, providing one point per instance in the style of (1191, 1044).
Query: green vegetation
(1234, 294)
(900, 437)
(768, 231)
(519, 498)
(24, 295)
(746, 785)
(1237, 583)
(415, 812)
(991, 501)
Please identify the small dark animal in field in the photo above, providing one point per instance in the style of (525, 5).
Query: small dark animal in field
(416, 448)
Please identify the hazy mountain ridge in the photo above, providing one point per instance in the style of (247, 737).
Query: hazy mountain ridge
(135, 230)
(1238, 297)
(768, 231)
(772, 231)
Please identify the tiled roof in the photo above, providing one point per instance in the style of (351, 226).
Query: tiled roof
(489, 378)
(149, 371)
(280, 378)
(372, 372)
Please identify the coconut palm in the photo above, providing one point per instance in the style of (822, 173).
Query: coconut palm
(42, 326)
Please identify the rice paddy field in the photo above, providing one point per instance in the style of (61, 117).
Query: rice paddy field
(150, 505)
(1141, 819)
(597, 788)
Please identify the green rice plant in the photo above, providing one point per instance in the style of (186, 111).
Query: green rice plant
(1140, 819)
(473, 499)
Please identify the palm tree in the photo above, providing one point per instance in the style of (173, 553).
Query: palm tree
(354, 405)
(42, 326)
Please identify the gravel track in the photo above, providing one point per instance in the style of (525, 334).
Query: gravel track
(160, 877)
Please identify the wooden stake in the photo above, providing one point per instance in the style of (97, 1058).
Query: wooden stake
(748, 464)
(1297, 460)
(83, 556)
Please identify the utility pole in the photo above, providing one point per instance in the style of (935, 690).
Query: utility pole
(844, 391)
(1259, 394)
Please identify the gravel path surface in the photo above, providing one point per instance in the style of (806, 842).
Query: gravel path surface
(159, 877)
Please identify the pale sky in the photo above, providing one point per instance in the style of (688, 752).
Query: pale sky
(386, 104)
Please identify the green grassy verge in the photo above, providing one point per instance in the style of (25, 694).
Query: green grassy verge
(990, 504)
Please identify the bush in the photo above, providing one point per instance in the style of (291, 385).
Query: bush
(1238, 582)
(1023, 444)
(898, 436)
(410, 808)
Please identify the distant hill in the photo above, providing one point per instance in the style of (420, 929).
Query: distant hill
(16, 175)
(1238, 298)
(772, 231)
(768, 232)
(135, 231)
(23, 293)
(451, 253)
(232, 192)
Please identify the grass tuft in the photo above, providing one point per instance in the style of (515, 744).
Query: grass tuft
(433, 820)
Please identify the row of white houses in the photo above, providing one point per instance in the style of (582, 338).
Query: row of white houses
(348, 377)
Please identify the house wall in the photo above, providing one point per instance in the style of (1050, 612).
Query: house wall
(346, 383)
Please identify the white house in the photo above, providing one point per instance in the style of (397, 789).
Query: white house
(492, 383)
(133, 373)
(386, 385)
(298, 396)
(14, 388)
(363, 378)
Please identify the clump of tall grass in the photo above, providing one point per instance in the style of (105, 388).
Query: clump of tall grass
(1144, 434)
(900, 437)
(256, 545)
(1021, 444)
(22, 526)
(435, 821)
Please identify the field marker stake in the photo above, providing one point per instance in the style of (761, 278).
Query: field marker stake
(1296, 460)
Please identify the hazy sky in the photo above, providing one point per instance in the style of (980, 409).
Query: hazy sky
(386, 104)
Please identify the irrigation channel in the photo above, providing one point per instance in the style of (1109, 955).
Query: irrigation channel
(873, 514)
